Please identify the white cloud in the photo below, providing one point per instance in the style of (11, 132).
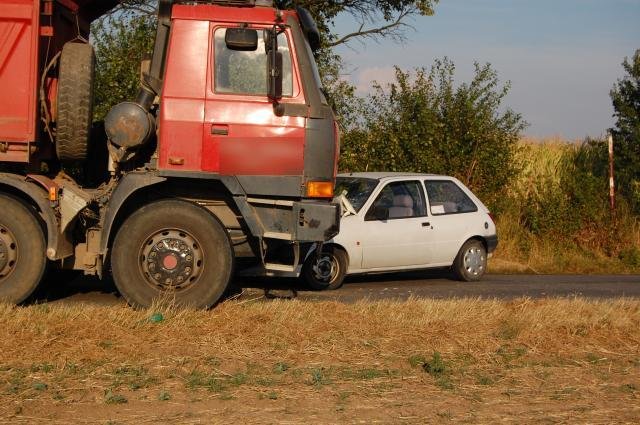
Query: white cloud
(365, 77)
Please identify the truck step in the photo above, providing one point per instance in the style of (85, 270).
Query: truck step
(279, 267)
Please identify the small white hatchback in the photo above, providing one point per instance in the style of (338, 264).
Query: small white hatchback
(404, 221)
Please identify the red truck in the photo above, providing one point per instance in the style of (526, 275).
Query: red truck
(225, 160)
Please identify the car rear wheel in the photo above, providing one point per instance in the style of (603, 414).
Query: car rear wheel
(175, 249)
(471, 262)
(326, 271)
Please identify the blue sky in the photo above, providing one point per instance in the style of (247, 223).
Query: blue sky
(562, 57)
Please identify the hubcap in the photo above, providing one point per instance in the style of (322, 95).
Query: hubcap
(326, 268)
(474, 260)
(8, 252)
(171, 260)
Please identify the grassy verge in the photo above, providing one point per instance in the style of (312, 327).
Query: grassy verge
(555, 218)
(287, 361)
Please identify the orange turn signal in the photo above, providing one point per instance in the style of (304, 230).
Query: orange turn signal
(53, 193)
(320, 189)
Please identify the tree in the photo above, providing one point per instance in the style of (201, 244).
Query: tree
(133, 22)
(121, 45)
(424, 123)
(626, 104)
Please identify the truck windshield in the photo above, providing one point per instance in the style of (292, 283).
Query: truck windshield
(356, 189)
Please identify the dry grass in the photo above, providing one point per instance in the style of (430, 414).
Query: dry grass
(287, 361)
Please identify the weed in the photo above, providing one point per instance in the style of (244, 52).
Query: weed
(43, 367)
(197, 379)
(164, 396)
(445, 415)
(112, 398)
(628, 388)
(280, 367)
(265, 381)
(226, 396)
(318, 377)
(272, 395)
(40, 386)
(484, 380)
(238, 378)
(435, 367)
(417, 360)
(507, 331)
(594, 358)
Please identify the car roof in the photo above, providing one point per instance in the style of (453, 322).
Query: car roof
(380, 175)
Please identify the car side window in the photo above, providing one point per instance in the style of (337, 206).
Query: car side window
(398, 200)
(245, 72)
(446, 197)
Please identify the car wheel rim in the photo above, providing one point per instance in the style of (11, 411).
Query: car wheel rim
(8, 252)
(474, 260)
(326, 268)
(171, 260)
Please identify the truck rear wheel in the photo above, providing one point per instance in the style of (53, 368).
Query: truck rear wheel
(75, 101)
(22, 250)
(175, 249)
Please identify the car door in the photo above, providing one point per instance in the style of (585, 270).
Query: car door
(393, 231)
(452, 215)
(242, 133)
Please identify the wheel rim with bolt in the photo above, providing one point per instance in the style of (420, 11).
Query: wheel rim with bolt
(8, 252)
(326, 268)
(473, 260)
(171, 259)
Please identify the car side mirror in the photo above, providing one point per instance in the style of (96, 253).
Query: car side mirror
(242, 39)
(274, 70)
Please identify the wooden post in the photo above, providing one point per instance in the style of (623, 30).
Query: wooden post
(612, 199)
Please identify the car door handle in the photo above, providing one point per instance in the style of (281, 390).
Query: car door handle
(220, 130)
(426, 224)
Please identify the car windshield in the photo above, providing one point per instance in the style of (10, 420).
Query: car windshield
(356, 189)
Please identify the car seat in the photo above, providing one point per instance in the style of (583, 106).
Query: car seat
(402, 207)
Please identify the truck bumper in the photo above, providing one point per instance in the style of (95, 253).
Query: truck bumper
(315, 221)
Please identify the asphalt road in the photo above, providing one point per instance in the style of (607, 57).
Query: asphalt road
(70, 288)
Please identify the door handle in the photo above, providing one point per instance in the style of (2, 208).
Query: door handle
(427, 224)
(220, 130)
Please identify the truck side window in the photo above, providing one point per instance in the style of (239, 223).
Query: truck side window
(242, 72)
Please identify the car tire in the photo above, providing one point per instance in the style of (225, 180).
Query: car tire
(22, 250)
(471, 262)
(172, 248)
(326, 272)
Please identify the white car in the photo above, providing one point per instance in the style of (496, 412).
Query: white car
(404, 221)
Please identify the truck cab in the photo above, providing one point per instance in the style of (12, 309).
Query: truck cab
(224, 162)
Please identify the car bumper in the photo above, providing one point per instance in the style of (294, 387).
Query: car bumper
(492, 243)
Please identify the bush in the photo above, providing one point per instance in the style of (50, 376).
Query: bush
(423, 123)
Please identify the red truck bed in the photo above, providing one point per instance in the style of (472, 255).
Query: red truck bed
(32, 32)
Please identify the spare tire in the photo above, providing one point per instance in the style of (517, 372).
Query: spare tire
(75, 101)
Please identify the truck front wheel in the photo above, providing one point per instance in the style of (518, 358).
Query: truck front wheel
(22, 250)
(172, 249)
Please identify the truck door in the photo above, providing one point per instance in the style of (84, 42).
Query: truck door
(242, 134)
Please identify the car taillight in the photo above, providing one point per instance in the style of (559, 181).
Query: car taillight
(491, 217)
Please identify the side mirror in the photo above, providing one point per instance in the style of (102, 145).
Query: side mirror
(274, 66)
(242, 39)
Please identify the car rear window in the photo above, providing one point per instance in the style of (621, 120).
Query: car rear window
(446, 197)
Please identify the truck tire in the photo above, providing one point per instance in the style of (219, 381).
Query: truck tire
(75, 101)
(175, 250)
(22, 250)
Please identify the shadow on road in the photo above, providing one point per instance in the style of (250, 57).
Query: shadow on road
(73, 285)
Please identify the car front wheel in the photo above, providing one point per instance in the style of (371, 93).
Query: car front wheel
(471, 262)
(326, 271)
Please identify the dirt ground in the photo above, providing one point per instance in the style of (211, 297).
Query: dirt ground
(416, 361)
